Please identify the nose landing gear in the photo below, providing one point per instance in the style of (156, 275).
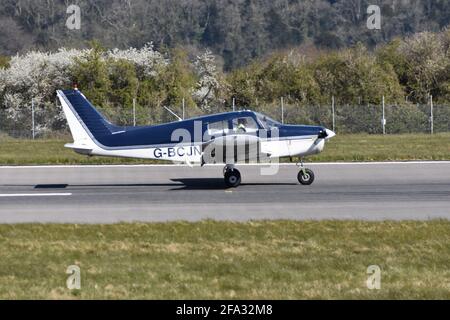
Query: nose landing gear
(305, 175)
(232, 176)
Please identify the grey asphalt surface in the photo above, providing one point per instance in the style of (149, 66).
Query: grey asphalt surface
(110, 194)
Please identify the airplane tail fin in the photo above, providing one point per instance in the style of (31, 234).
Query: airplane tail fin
(85, 122)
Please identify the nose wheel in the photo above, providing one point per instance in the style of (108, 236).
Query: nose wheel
(306, 177)
(232, 176)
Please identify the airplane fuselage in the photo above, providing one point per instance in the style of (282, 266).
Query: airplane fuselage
(231, 137)
(300, 147)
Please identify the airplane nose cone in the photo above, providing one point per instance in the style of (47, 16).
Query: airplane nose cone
(330, 134)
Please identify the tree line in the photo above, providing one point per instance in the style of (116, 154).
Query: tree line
(405, 72)
(237, 31)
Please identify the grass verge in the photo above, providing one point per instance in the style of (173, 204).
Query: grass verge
(340, 148)
(224, 260)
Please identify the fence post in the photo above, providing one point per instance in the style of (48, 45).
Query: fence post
(234, 104)
(1, 114)
(431, 115)
(32, 119)
(383, 121)
(134, 112)
(333, 115)
(282, 110)
(184, 104)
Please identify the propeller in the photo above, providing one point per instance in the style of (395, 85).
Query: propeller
(326, 134)
(322, 134)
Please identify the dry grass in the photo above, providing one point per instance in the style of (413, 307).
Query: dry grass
(387, 148)
(341, 148)
(219, 260)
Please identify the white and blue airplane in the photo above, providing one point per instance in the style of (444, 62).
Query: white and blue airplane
(227, 138)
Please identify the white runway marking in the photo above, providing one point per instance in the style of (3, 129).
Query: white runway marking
(18, 195)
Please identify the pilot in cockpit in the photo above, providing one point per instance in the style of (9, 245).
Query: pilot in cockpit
(242, 125)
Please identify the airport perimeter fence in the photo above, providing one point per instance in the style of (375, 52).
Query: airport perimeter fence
(44, 123)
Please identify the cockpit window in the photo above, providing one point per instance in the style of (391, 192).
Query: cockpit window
(267, 122)
(218, 128)
(245, 125)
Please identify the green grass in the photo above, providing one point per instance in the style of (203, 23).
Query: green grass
(221, 260)
(386, 148)
(50, 152)
(341, 148)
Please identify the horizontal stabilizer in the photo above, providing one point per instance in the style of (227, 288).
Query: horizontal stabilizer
(79, 149)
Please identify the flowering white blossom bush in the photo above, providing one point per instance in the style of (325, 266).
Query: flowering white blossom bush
(37, 75)
(147, 60)
(208, 82)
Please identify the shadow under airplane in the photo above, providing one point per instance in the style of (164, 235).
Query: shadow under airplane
(178, 184)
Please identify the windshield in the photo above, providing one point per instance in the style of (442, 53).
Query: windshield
(267, 122)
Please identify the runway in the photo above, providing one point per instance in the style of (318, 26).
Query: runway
(111, 194)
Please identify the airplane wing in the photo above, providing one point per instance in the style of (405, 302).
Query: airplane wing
(231, 149)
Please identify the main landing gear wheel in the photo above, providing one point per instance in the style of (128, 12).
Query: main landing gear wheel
(232, 177)
(306, 177)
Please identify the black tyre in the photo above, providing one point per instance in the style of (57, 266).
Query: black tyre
(306, 177)
(232, 178)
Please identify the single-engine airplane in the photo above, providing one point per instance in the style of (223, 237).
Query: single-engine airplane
(227, 138)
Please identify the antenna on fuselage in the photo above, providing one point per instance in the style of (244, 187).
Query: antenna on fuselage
(173, 113)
